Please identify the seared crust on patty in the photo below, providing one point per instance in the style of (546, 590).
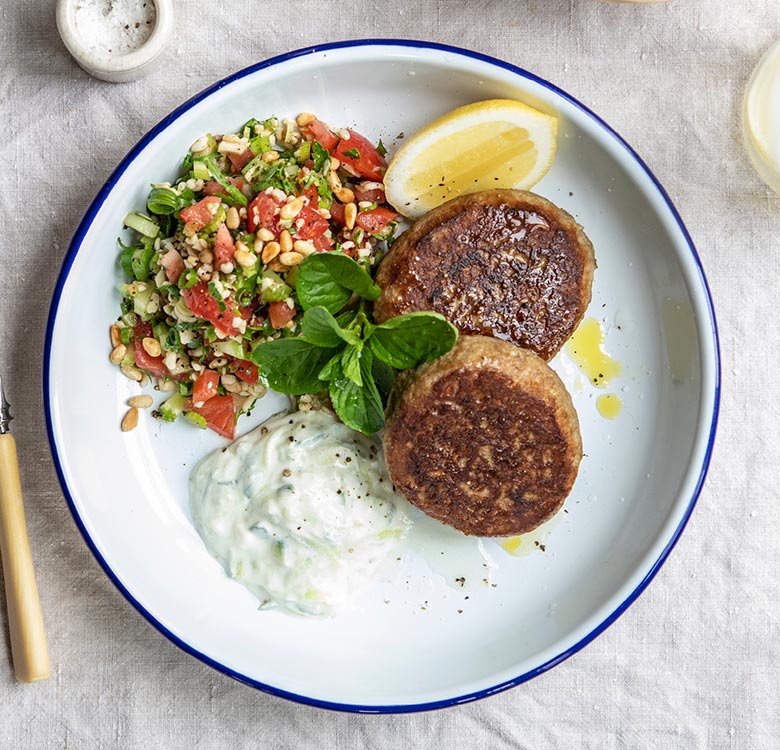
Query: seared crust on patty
(485, 438)
(503, 263)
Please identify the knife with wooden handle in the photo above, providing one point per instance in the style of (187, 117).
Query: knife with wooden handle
(25, 621)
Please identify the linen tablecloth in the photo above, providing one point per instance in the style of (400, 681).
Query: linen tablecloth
(694, 663)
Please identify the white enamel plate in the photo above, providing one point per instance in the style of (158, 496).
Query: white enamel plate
(417, 642)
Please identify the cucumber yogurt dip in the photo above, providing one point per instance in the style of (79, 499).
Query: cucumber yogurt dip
(300, 511)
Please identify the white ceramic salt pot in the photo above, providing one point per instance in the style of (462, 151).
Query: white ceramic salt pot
(115, 40)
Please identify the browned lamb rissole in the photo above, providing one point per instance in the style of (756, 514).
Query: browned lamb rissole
(485, 438)
(503, 263)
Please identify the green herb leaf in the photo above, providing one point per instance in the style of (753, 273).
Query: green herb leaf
(319, 155)
(214, 292)
(352, 153)
(235, 195)
(358, 406)
(380, 147)
(346, 318)
(321, 328)
(332, 369)
(409, 340)
(292, 365)
(328, 280)
(384, 377)
(350, 364)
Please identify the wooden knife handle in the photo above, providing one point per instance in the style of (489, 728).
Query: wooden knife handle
(25, 621)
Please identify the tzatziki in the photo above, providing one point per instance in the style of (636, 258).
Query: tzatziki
(301, 511)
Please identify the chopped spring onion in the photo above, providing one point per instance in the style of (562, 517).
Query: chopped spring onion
(162, 201)
(142, 224)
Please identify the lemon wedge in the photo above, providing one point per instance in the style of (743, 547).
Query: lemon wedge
(498, 143)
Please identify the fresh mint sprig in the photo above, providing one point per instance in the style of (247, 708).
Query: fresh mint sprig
(342, 350)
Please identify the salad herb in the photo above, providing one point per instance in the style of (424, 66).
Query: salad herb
(351, 357)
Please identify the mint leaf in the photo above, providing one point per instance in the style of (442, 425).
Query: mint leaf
(352, 153)
(332, 369)
(319, 155)
(329, 279)
(358, 406)
(292, 365)
(409, 340)
(380, 147)
(350, 364)
(384, 377)
(319, 327)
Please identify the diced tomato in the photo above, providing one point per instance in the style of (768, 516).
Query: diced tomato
(323, 244)
(153, 365)
(219, 413)
(337, 213)
(369, 163)
(205, 386)
(319, 131)
(375, 220)
(224, 246)
(173, 265)
(310, 193)
(262, 212)
(373, 192)
(203, 305)
(239, 161)
(199, 214)
(310, 224)
(246, 370)
(212, 187)
(280, 314)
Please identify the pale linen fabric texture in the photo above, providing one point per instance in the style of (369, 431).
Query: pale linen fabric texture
(694, 663)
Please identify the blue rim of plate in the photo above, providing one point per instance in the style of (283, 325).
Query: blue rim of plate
(84, 226)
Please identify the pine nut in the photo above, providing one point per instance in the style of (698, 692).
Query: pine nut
(345, 195)
(266, 235)
(291, 259)
(232, 219)
(244, 258)
(152, 346)
(277, 266)
(305, 118)
(228, 379)
(118, 354)
(132, 372)
(292, 209)
(130, 421)
(116, 335)
(285, 241)
(270, 251)
(350, 214)
(257, 245)
(334, 164)
(140, 402)
(270, 156)
(334, 181)
(304, 247)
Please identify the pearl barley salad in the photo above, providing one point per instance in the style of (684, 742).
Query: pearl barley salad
(214, 261)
